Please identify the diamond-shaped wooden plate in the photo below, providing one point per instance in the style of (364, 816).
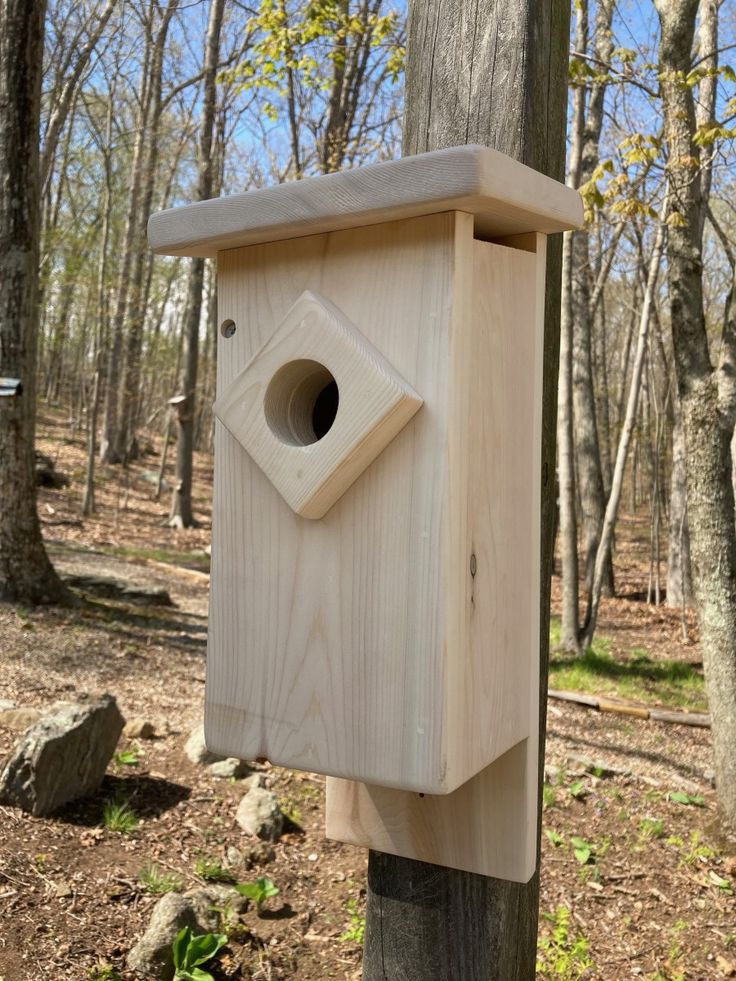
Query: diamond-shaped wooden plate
(268, 407)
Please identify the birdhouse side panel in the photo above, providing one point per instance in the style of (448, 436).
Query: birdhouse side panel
(327, 644)
(493, 532)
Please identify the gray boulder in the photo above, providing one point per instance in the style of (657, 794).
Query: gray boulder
(197, 909)
(63, 756)
(229, 769)
(196, 748)
(259, 814)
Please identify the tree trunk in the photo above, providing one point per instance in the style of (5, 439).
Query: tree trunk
(111, 426)
(181, 505)
(136, 306)
(707, 398)
(26, 575)
(679, 575)
(617, 481)
(587, 443)
(569, 639)
(499, 77)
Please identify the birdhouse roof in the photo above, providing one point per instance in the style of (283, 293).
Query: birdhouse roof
(506, 197)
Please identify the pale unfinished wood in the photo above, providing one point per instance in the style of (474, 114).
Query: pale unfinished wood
(389, 641)
(269, 406)
(505, 197)
(488, 825)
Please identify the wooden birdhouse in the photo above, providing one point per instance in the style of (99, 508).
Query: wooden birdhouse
(375, 555)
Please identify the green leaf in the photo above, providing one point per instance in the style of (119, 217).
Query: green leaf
(197, 974)
(680, 797)
(554, 836)
(204, 947)
(577, 789)
(179, 947)
(248, 889)
(583, 850)
(722, 883)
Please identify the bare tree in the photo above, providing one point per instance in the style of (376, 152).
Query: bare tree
(181, 505)
(587, 443)
(707, 397)
(26, 575)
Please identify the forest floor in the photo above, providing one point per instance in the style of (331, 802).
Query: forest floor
(636, 880)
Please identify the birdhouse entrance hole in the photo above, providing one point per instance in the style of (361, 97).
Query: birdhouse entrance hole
(301, 402)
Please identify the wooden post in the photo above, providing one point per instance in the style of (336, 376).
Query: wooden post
(493, 73)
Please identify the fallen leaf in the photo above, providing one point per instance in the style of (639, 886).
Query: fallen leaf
(726, 967)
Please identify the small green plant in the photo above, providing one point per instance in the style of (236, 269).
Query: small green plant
(680, 797)
(578, 790)
(103, 972)
(722, 884)
(554, 836)
(291, 811)
(128, 757)
(699, 851)
(675, 957)
(211, 870)
(583, 850)
(155, 880)
(651, 827)
(562, 955)
(355, 933)
(549, 795)
(259, 891)
(118, 815)
(190, 952)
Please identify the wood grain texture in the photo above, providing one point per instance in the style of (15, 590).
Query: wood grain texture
(269, 406)
(505, 197)
(487, 826)
(391, 641)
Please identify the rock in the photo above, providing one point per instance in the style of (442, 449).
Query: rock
(6, 704)
(152, 956)
(20, 719)
(234, 858)
(139, 729)
(229, 768)
(196, 748)
(107, 588)
(63, 756)
(259, 814)
(260, 854)
(255, 780)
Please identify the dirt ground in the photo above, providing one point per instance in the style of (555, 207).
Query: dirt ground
(636, 880)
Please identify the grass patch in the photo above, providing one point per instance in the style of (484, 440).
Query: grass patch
(118, 815)
(637, 678)
(156, 881)
(197, 560)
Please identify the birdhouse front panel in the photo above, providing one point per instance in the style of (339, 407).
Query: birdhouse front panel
(374, 504)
